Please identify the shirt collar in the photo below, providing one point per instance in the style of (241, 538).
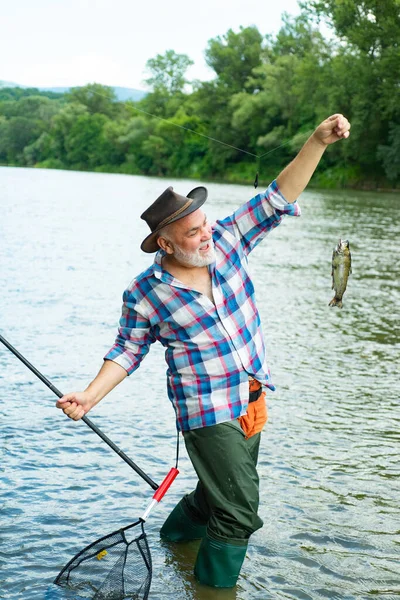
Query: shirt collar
(161, 273)
(157, 267)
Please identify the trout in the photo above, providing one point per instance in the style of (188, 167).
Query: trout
(341, 269)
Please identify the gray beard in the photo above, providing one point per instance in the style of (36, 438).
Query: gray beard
(194, 259)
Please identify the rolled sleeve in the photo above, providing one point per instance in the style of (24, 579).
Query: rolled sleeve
(134, 336)
(278, 202)
(252, 221)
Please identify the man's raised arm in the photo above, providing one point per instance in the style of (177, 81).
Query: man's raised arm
(295, 177)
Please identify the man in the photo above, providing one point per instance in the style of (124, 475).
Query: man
(197, 299)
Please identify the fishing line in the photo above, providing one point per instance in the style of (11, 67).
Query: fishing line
(259, 156)
(212, 139)
(193, 131)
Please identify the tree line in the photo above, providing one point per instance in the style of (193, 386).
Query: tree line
(268, 94)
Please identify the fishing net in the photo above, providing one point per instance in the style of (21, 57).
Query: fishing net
(111, 568)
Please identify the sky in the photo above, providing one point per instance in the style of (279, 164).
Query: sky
(48, 43)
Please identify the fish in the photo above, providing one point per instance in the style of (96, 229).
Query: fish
(341, 269)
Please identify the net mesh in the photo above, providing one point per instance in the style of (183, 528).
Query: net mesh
(112, 568)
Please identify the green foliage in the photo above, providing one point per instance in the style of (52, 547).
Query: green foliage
(372, 26)
(50, 163)
(97, 98)
(7, 93)
(168, 72)
(38, 107)
(340, 177)
(15, 134)
(267, 96)
(234, 56)
(390, 154)
(39, 148)
(84, 144)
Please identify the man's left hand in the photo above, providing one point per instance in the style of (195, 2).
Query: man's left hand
(331, 130)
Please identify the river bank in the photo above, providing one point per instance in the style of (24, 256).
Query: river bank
(324, 180)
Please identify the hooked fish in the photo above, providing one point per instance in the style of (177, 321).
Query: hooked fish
(341, 269)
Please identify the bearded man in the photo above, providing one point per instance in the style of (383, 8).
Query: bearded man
(198, 300)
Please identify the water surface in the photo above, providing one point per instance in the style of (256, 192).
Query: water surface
(329, 460)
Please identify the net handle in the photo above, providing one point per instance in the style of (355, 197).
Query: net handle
(87, 421)
(166, 484)
(162, 490)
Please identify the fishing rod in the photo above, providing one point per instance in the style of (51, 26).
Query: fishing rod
(85, 419)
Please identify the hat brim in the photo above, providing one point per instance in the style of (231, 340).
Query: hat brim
(198, 195)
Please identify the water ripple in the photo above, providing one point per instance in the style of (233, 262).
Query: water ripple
(328, 464)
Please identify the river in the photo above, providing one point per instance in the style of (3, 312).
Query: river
(329, 459)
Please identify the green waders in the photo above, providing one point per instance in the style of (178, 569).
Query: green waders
(222, 510)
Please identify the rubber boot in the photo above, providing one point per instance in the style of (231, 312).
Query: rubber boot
(218, 564)
(179, 527)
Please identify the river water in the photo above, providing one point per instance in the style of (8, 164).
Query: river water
(329, 460)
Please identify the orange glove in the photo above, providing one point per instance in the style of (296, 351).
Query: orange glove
(257, 415)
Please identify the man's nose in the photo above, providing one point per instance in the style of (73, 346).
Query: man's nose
(206, 232)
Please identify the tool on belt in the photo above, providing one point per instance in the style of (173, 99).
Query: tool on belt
(257, 415)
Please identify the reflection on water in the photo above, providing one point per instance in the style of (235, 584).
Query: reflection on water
(329, 462)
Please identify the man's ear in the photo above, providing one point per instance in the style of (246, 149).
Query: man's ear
(165, 245)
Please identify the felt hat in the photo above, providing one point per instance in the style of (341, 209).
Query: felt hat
(168, 208)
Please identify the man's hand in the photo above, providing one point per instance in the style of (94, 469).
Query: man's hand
(294, 178)
(331, 130)
(76, 404)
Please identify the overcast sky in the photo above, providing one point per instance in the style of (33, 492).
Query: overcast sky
(75, 42)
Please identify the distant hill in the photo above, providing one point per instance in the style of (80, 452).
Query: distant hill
(9, 84)
(122, 93)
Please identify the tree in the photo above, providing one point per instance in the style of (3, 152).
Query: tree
(369, 31)
(15, 134)
(371, 28)
(390, 154)
(267, 95)
(168, 72)
(39, 150)
(85, 141)
(234, 56)
(7, 93)
(60, 129)
(37, 107)
(97, 98)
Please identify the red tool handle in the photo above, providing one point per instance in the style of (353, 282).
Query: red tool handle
(164, 486)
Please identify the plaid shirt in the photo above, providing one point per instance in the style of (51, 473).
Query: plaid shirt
(210, 349)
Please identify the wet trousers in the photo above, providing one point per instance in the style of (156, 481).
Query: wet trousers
(226, 498)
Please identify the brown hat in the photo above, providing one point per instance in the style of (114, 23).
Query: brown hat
(169, 207)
